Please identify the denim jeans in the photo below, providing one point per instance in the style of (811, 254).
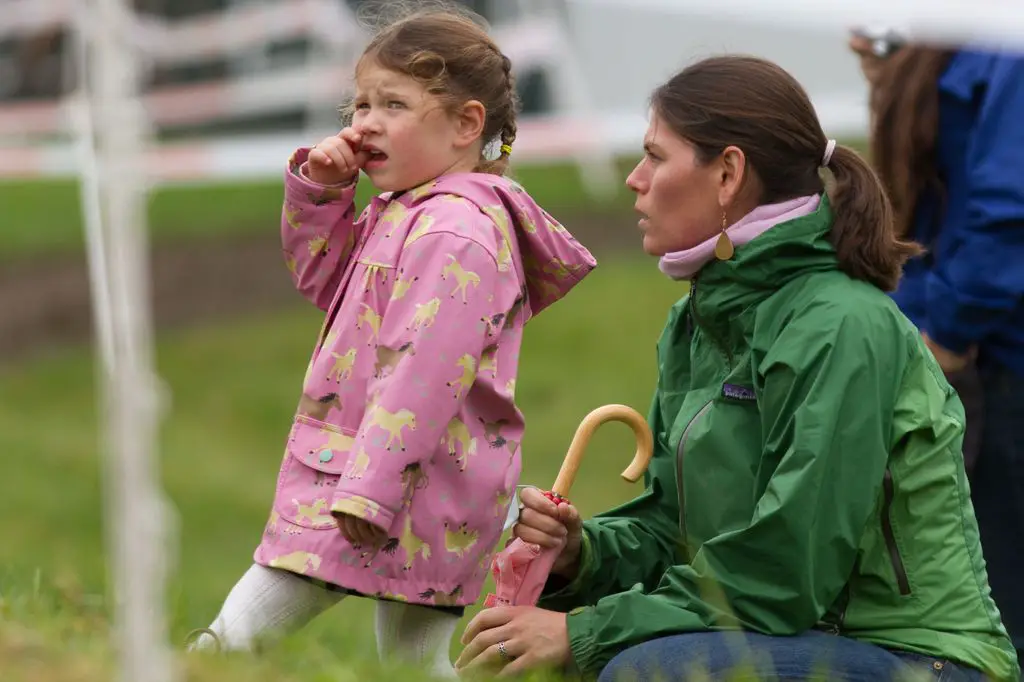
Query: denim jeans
(746, 657)
(997, 491)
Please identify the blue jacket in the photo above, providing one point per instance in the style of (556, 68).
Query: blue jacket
(969, 288)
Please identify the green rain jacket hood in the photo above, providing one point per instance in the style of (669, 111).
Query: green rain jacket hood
(807, 474)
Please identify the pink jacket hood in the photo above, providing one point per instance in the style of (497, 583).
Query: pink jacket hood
(553, 260)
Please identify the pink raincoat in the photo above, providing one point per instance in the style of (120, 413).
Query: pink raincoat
(408, 418)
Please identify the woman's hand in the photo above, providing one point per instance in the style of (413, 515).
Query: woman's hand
(949, 361)
(542, 522)
(529, 637)
(870, 63)
(337, 159)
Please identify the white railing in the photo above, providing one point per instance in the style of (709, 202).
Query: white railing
(112, 152)
(38, 131)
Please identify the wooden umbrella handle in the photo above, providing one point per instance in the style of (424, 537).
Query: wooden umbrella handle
(606, 413)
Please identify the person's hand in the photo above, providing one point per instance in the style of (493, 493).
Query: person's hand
(948, 361)
(530, 637)
(542, 522)
(360, 532)
(337, 159)
(870, 63)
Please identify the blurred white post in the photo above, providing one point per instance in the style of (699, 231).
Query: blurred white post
(340, 44)
(596, 164)
(135, 512)
(76, 71)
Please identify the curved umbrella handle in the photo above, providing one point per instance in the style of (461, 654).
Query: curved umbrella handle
(606, 413)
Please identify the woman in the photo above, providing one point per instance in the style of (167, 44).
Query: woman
(948, 143)
(806, 508)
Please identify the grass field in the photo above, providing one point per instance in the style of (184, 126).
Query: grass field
(39, 217)
(45, 217)
(233, 389)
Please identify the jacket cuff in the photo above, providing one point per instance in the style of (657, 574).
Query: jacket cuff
(579, 626)
(364, 508)
(557, 596)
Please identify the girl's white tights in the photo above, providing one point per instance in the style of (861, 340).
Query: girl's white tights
(268, 603)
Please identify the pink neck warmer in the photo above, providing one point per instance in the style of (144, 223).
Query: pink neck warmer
(685, 264)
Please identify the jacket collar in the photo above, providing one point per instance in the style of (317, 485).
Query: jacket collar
(790, 250)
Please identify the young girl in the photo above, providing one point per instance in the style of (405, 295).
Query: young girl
(407, 434)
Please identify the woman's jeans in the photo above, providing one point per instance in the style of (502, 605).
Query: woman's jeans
(744, 657)
(997, 491)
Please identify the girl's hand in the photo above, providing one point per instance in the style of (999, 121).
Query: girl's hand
(542, 522)
(360, 532)
(337, 159)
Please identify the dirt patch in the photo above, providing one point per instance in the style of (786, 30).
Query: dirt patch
(45, 302)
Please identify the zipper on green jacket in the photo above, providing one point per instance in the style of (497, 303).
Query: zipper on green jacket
(843, 601)
(888, 492)
(680, 450)
(722, 348)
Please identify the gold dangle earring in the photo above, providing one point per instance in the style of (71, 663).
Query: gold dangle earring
(724, 249)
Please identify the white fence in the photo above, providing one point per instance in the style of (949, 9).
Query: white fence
(603, 57)
(112, 154)
(38, 133)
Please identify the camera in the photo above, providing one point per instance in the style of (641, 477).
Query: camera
(884, 40)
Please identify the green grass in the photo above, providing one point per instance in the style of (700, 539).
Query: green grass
(45, 217)
(232, 391)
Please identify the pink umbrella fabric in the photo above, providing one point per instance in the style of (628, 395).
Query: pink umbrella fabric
(520, 571)
(522, 568)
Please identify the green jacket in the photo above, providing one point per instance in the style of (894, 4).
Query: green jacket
(807, 474)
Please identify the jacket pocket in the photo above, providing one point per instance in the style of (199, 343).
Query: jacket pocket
(888, 493)
(317, 456)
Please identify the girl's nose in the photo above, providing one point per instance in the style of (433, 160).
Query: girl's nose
(369, 123)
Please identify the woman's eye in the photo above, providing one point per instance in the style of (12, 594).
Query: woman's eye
(395, 104)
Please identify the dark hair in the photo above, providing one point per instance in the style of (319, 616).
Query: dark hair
(905, 112)
(447, 49)
(757, 106)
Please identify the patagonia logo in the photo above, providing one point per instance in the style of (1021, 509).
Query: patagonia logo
(738, 392)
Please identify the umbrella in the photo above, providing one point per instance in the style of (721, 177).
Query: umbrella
(521, 569)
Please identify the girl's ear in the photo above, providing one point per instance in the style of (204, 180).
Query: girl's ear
(469, 123)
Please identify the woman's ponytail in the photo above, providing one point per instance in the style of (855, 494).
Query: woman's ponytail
(863, 232)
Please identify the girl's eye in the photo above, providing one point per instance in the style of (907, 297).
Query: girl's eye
(395, 104)
(362, 105)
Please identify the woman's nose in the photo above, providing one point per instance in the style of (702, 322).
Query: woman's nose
(634, 180)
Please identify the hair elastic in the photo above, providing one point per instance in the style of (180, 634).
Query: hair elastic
(506, 149)
(829, 148)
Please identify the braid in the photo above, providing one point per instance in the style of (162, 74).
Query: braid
(501, 115)
(509, 128)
